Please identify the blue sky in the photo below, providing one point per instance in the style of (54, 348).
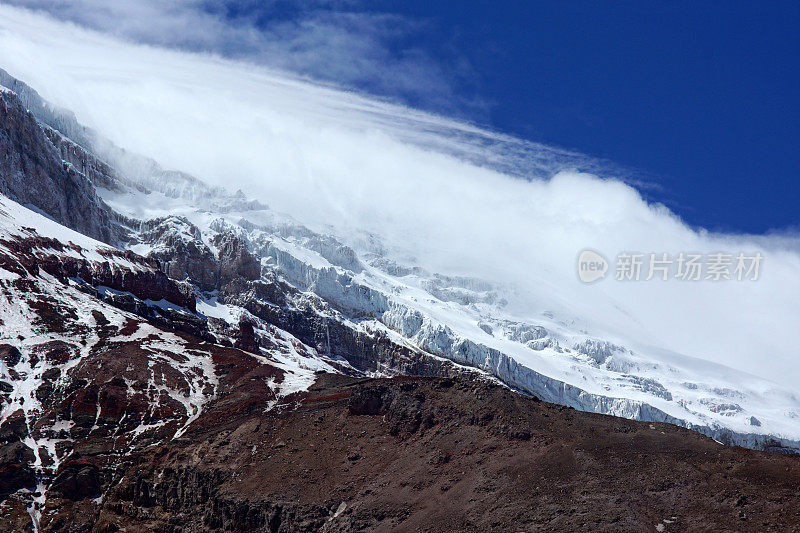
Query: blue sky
(704, 98)
(699, 99)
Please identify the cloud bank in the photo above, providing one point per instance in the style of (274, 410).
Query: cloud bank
(329, 40)
(445, 194)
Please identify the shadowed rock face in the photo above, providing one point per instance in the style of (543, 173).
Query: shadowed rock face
(179, 248)
(9, 354)
(32, 173)
(235, 260)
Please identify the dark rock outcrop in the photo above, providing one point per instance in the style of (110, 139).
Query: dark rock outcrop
(280, 304)
(178, 247)
(234, 259)
(77, 480)
(14, 477)
(180, 251)
(9, 354)
(16, 471)
(246, 339)
(143, 279)
(14, 428)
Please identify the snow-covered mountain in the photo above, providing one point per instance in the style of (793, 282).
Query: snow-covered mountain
(361, 309)
(179, 357)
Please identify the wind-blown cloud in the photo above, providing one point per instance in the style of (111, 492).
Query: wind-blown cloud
(445, 193)
(326, 40)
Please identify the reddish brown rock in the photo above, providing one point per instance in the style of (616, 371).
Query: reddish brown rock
(14, 428)
(9, 355)
(144, 280)
(234, 259)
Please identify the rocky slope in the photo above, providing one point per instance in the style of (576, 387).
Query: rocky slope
(446, 455)
(35, 174)
(104, 355)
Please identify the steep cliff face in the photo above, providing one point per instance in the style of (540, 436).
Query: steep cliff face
(178, 247)
(32, 173)
(59, 119)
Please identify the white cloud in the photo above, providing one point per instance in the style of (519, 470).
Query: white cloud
(323, 39)
(430, 187)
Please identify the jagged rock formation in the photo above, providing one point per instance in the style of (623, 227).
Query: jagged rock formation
(30, 254)
(178, 247)
(234, 259)
(33, 173)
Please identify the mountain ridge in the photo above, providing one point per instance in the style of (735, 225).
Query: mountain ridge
(357, 287)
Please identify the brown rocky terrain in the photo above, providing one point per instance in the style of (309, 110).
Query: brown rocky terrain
(424, 455)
